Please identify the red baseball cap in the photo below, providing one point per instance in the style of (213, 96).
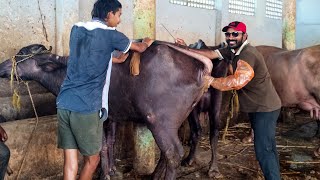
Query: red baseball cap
(236, 25)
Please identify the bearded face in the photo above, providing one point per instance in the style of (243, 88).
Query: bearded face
(234, 38)
(235, 43)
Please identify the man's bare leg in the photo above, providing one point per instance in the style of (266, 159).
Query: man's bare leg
(70, 168)
(89, 166)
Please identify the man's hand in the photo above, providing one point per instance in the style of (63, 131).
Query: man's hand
(3, 135)
(141, 46)
(180, 42)
(121, 58)
(148, 41)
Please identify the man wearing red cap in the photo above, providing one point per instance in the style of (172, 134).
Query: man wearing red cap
(257, 95)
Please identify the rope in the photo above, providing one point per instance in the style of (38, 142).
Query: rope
(33, 131)
(15, 96)
(16, 100)
(233, 107)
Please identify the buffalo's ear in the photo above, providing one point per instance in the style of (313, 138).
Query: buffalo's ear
(49, 66)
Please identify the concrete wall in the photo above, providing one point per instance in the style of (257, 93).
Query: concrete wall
(25, 22)
(185, 22)
(307, 23)
(49, 23)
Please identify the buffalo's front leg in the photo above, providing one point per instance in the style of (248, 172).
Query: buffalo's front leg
(160, 168)
(195, 133)
(107, 160)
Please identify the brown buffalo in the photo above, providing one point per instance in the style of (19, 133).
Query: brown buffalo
(210, 102)
(296, 76)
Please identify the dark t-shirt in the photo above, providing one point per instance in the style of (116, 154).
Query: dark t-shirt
(259, 95)
(91, 47)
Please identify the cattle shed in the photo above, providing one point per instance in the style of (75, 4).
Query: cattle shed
(290, 24)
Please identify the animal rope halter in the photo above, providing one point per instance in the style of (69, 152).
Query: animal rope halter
(16, 97)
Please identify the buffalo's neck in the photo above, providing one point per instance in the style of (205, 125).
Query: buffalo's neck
(52, 81)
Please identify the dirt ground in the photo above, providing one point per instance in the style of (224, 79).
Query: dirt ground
(294, 143)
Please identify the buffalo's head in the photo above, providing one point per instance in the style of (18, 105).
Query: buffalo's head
(31, 61)
(202, 45)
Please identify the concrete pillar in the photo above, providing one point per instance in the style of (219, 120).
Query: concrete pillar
(144, 13)
(289, 24)
(218, 37)
(67, 13)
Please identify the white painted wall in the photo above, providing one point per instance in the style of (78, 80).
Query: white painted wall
(307, 23)
(185, 22)
(261, 30)
(24, 22)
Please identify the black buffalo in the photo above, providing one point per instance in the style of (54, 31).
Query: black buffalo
(210, 102)
(170, 84)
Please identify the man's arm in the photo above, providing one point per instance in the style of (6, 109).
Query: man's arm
(242, 76)
(208, 53)
(135, 46)
(141, 46)
(121, 58)
(205, 52)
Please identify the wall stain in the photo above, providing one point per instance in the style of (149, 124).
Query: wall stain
(44, 30)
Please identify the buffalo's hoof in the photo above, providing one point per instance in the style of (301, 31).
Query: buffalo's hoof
(112, 171)
(215, 174)
(247, 140)
(317, 153)
(187, 162)
(106, 177)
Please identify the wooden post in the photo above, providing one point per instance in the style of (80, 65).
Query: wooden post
(289, 25)
(144, 13)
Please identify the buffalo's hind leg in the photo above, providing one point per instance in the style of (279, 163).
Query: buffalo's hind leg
(195, 133)
(318, 129)
(214, 116)
(107, 160)
(171, 150)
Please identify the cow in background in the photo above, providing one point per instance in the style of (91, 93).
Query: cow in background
(296, 76)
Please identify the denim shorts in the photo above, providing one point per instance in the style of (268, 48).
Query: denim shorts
(79, 131)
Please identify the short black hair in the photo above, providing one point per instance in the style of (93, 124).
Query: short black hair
(101, 8)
